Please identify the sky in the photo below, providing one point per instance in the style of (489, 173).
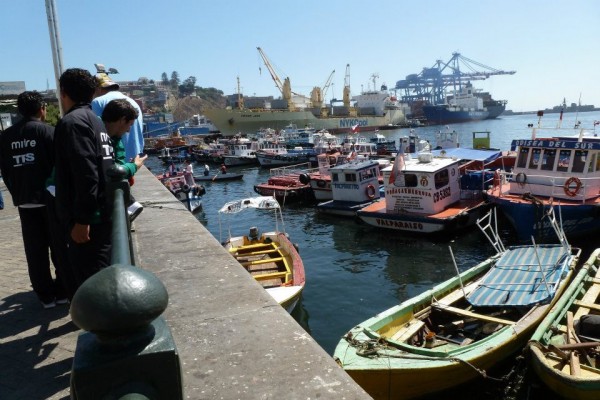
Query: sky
(552, 45)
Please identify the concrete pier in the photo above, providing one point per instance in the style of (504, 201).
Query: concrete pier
(234, 340)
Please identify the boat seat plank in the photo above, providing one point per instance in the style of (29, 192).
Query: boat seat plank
(590, 297)
(465, 313)
(273, 275)
(409, 331)
(262, 261)
(258, 252)
(588, 305)
(254, 246)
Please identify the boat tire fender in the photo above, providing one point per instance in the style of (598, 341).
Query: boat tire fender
(370, 192)
(521, 178)
(304, 179)
(321, 183)
(571, 190)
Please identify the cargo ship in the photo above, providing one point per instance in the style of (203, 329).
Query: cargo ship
(371, 110)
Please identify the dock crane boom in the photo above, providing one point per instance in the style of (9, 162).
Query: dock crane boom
(327, 84)
(276, 79)
(346, 93)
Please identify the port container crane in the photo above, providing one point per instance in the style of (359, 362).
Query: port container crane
(432, 83)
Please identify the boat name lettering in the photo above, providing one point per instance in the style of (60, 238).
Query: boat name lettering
(350, 122)
(407, 191)
(250, 115)
(351, 186)
(562, 144)
(415, 226)
(441, 195)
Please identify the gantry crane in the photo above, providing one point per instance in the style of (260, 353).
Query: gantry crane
(432, 83)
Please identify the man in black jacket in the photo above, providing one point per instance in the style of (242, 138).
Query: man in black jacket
(83, 155)
(26, 160)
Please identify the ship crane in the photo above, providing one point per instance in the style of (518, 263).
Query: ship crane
(317, 95)
(346, 93)
(432, 83)
(285, 88)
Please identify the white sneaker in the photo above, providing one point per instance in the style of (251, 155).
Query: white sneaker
(134, 210)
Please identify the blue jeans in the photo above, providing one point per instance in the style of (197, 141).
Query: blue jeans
(1, 201)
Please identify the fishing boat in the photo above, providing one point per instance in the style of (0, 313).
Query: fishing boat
(555, 167)
(565, 347)
(462, 327)
(354, 185)
(270, 257)
(285, 184)
(423, 194)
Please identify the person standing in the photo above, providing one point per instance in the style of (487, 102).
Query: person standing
(26, 161)
(188, 173)
(118, 116)
(108, 90)
(83, 155)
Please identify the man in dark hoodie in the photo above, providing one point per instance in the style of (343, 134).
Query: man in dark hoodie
(26, 160)
(83, 155)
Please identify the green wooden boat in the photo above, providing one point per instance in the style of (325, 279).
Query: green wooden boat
(565, 358)
(456, 331)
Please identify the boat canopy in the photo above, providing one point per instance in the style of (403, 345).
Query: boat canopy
(523, 276)
(486, 156)
(260, 202)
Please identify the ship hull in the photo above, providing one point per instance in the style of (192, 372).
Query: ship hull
(441, 115)
(231, 122)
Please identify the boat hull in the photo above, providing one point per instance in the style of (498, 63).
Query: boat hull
(441, 115)
(231, 122)
(526, 218)
(342, 208)
(376, 215)
(218, 177)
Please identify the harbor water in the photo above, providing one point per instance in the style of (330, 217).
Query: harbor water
(354, 271)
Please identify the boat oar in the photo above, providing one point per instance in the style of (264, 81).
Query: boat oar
(215, 177)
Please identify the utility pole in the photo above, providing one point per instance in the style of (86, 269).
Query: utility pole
(56, 46)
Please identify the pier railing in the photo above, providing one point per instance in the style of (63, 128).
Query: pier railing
(126, 349)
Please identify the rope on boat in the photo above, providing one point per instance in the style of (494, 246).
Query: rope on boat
(371, 347)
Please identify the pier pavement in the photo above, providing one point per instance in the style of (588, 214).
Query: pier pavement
(234, 341)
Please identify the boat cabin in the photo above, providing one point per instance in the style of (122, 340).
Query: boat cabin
(422, 184)
(558, 167)
(355, 181)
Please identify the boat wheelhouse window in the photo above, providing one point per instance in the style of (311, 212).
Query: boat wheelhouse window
(410, 180)
(351, 177)
(594, 163)
(522, 161)
(548, 159)
(564, 159)
(534, 161)
(579, 160)
(366, 174)
(334, 177)
(441, 178)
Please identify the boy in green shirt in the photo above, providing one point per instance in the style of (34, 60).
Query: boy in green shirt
(118, 116)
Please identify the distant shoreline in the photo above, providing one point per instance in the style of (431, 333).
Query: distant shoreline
(552, 111)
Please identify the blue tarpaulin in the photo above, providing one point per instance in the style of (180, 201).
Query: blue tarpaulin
(470, 154)
(522, 278)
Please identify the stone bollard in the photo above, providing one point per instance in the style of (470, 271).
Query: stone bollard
(127, 351)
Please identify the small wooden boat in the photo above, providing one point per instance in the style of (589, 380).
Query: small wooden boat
(270, 257)
(565, 348)
(229, 176)
(455, 331)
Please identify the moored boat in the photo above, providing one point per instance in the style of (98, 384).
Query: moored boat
(564, 347)
(285, 185)
(218, 177)
(556, 167)
(354, 185)
(462, 327)
(271, 258)
(423, 194)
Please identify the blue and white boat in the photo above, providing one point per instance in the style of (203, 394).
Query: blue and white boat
(556, 168)
(354, 185)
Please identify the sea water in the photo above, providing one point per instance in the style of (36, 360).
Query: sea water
(353, 270)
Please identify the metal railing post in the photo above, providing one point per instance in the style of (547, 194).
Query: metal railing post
(126, 349)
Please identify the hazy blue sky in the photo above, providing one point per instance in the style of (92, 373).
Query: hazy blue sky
(553, 45)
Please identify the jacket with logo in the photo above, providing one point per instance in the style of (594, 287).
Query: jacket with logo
(83, 155)
(26, 160)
